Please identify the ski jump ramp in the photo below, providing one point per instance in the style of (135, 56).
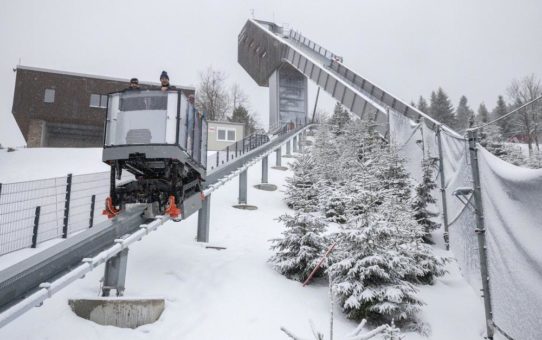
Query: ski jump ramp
(266, 51)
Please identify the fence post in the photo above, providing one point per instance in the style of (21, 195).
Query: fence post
(92, 205)
(217, 157)
(236, 145)
(227, 153)
(443, 189)
(480, 229)
(294, 144)
(36, 225)
(67, 206)
(278, 159)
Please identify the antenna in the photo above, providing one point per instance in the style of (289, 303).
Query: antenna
(252, 12)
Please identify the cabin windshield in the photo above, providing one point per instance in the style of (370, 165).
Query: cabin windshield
(142, 117)
(143, 101)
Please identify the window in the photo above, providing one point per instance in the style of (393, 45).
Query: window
(231, 135)
(97, 100)
(225, 135)
(49, 96)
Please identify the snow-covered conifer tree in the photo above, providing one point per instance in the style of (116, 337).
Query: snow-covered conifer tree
(424, 198)
(368, 272)
(301, 191)
(298, 250)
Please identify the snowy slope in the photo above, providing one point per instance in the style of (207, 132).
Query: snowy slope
(26, 164)
(232, 293)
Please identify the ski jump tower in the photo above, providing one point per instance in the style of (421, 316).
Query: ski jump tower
(284, 60)
(261, 56)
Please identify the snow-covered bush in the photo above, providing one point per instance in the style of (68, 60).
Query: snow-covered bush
(298, 250)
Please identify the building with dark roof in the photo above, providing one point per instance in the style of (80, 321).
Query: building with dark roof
(64, 109)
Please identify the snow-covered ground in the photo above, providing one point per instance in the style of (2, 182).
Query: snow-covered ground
(26, 164)
(221, 294)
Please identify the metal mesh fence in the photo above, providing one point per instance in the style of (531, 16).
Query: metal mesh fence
(37, 211)
(509, 205)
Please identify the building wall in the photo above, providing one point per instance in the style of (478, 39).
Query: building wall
(74, 123)
(213, 144)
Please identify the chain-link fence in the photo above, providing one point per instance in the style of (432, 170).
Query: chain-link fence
(484, 197)
(37, 211)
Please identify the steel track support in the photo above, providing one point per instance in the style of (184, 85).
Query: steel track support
(288, 153)
(204, 216)
(265, 169)
(243, 187)
(278, 153)
(115, 274)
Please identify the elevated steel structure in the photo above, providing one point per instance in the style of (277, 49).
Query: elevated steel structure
(263, 48)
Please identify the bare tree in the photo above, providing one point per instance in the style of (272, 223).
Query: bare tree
(528, 119)
(238, 97)
(212, 94)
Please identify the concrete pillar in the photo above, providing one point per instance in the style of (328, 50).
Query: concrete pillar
(288, 148)
(294, 143)
(265, 170)
(204, 215)
(278, 158)
(301, 142)
(115, 274)
(243, 187)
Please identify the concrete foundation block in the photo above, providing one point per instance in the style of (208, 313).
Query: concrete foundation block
(118, 312)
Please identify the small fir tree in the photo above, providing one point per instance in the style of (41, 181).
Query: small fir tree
(299, 249)
(368, 271)
(424, 198)
(422, 105)
(499, 111)
(483, 114)
(463, 114)
(340, 118)
(301, 190)
(442, 109)
(241, 115)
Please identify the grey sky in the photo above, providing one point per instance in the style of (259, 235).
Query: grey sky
(408, 47)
